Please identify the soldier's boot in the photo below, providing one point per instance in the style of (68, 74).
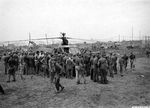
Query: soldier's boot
(14, 78)
(2, 90)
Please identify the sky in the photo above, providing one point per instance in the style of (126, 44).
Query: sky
(85, 19)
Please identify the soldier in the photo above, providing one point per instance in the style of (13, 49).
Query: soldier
(121, 65)
(5, 59)
(132, 59)
(125, 58)
(64, 64)
(103, 66)
(26, 63)
(45, 65)
(86, 58)
(16, 57)
(31, 63)
(110, 65)
(58, 71)
(82, 73)
(69, 67)
(12, 68)
(91, 67)
(21, 66)
(37, 62)
(95, 68)
(114, 63)
(77, 68)
(52, 69)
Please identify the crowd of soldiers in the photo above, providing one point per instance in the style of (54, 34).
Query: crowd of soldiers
(96, 65)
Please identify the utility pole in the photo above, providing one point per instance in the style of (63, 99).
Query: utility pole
(148, 41)
(29, 39)
(132, 35)
(46, 38)
(119, 38)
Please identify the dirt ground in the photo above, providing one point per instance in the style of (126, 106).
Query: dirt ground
(122, 92)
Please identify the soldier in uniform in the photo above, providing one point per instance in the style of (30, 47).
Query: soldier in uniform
(80, 69)
(31, 65)
(69, 67)
(5, 59)
(132, 59)
(114, 63)
(94, 68)
(121, 65)
(77, 68)
(12, 68)
(45, 65)
(125, 58)
(52, 69)
(91, 67)
(110, 65)
(103, 66)
(86, 58)
(58, 71)
(26, 64)
(21, 66)
(37, 62)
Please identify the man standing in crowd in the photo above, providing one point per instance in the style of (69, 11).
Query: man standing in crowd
(121, 65)
(44, 62)
(125, 58)
(5, 58)
(103, 66)
(132, 59)
(37, 62)
(12, 68)
(58, 71)
(94, 68)
(26, 64)
(110, 65)
(21, 66)
(79, 69)
(52, 69)
(114, 63)
(69, 67)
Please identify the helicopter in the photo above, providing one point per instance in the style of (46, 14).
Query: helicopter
(64, 46)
